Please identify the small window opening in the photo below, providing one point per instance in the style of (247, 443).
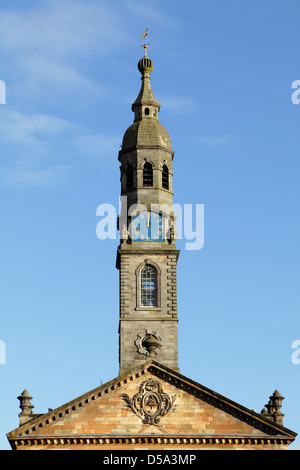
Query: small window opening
(147, 111)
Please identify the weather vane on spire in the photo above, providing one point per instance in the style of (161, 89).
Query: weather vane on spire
(145, 46)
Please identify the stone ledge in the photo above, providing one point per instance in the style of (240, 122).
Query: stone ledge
(194, 441)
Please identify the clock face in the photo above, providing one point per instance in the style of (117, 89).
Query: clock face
(148, 227)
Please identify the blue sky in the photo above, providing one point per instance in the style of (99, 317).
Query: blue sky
(223, 71)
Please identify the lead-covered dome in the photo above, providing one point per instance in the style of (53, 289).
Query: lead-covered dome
(147, 133)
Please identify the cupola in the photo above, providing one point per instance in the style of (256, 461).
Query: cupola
(146, 105)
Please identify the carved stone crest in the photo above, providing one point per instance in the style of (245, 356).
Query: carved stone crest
(150, 403)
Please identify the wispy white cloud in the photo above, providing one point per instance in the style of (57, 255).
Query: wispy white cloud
(49, 45)
(216, 141)
(22, 128)
(44, 76)
(149, 13)
(60, 29)
(24, 177)
(52, 54)
(179, 104)
(40, 150)
(56, 43)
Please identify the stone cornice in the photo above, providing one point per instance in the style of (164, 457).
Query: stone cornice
(143, 147)
(193, 441)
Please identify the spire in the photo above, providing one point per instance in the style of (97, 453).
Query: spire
(146, 105)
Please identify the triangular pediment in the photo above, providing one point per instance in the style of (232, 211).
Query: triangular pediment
(151, 402)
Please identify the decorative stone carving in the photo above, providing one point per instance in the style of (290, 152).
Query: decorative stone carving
(150, 404)
(147, 342)
(124, 234)
(272, 408)
(26, 407)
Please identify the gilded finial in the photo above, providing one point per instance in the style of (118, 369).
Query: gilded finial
(145, 46)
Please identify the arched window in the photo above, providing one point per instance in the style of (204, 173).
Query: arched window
(149, 286)
(129, 178)
(147, 111)
(148, 175)
(165, 177)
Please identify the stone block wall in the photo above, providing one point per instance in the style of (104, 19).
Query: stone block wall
(135, 319)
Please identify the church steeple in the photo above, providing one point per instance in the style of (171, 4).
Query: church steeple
(146, 105)
(147, 254)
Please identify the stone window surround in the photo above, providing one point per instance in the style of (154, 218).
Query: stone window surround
(138, 286)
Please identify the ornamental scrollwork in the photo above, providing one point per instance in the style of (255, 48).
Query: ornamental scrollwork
(150, 403)
(147, 343)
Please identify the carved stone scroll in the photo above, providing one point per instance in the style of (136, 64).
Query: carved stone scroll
(150, 403)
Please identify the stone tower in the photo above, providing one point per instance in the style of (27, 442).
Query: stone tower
(147, 255)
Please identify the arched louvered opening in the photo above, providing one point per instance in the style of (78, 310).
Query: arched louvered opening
(129, 177)
(148, 175)
(165, 177)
